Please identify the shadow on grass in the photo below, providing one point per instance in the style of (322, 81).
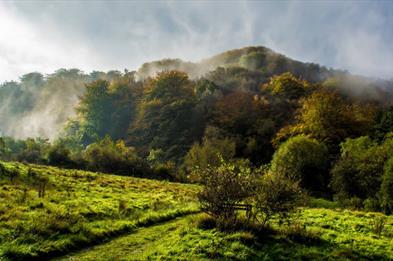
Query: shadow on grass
(287, 243)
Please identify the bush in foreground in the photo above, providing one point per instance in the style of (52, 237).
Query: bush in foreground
(224, 187)
(276, 196)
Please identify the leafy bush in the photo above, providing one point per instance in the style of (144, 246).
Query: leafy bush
(209, 153)
(304, 160)
(358, 172)
(276, 195)
(372, 204)
(224, 187)
(386, 192)
(59, 155)
(109, 156)
(354, 203)
(321, 203)
(287, 85)
(33, 151)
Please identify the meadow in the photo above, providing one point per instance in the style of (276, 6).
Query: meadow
(328, 235)
(82, 215)
(77, 208)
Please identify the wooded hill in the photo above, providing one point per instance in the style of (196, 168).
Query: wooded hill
(248, 105)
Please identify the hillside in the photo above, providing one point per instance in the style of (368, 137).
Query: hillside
(47, 211)
(258, 58)
(91, 216)
(39, 105)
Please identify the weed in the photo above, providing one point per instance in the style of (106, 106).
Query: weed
(378, 225)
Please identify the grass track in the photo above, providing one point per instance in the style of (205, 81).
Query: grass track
(332, 235)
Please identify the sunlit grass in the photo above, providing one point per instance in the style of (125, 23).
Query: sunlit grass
(184, 239)
(93, 216)
(80, 208)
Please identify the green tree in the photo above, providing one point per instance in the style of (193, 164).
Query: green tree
(209, 153)
(94, 110)
(125, 94)
(359, 169)
(245, 118)
(166, 116)
(304, 160)
(224, 186)
(325, 116)
(106, 108)
(276, 195)
(33, 151)
(386, 192)
(383, 124)
(114, 157)
(288, 86)
(59, 155)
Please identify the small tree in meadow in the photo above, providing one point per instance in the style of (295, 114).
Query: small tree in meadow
(225, 186)
(276, 195)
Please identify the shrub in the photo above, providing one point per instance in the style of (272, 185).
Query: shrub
(321, 203)
(33, 151)
(349, 202)
(386, 192)
(59, 155)
(225, 186)
(378, 225)
(304, 160)
(276, 196)
(372, 204)
(209, 153)
(359, 170)
(113, 157)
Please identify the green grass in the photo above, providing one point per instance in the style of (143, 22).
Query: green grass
(329, 235)
(93, 216)
(79, 209)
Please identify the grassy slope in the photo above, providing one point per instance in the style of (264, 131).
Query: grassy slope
(84, 210)
(330, 235)
(80, 208)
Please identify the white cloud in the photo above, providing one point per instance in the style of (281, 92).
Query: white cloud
(95, 35)
(25, 48)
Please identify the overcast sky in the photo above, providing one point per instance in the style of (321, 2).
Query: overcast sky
(103, 35)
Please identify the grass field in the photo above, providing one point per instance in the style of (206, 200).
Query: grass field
(329, 235)
(91, 216)
(79, 208)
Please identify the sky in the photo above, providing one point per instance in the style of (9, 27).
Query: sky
(104, 35)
